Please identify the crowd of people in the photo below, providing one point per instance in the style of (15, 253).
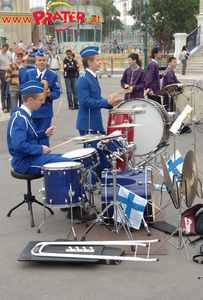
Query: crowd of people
(35, 84)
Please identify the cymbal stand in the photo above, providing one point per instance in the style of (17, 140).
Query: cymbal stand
(177, 183)
(181, 241)
(117, 210)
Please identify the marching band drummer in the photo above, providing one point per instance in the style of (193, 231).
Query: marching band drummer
(42, 117)
(133, 78)
(90, 100)
(28, 156)
(153, 77)
(170, 78)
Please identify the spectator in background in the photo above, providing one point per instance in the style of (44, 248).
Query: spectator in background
(70, 75)
(15, 46)
(21, 46)
(40, 44)
(54, 64)
(104, 71)
(110, 47)
(116, 48)
(184, 59)
(12, 76)
(78, 65)
(12, 54)
(5, 60)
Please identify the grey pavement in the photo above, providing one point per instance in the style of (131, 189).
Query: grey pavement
(172, 277)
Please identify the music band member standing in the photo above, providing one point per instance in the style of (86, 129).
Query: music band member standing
(153, 77)
(133, 78)
(170, 78)
(90, 99)
(42, 117)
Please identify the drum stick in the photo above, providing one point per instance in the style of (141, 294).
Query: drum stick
(146, 92)
(57, 146)
(58, 112)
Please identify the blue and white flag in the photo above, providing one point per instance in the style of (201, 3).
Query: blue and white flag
(133, 207)
(170, 165)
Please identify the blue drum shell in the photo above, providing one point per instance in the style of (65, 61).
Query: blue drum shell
(134, 181)
(57, 186)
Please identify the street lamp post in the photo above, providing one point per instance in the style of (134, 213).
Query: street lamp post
(146, 2)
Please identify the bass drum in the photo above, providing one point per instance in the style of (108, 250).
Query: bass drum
(155, 124)
(192, 96)
(138, 182)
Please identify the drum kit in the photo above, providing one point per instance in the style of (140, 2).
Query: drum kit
(136, 128)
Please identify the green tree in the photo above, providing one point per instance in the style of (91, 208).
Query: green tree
(166, 15)
(110, 15)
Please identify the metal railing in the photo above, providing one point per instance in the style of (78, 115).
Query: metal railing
(193, 39)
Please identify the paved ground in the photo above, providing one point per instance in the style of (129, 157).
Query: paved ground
(173, 277)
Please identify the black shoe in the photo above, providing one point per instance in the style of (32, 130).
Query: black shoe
(71, 108)
(86, 216)
(76, 106)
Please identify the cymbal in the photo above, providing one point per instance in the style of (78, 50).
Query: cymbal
(169, 89)
(85, 137)
(99, 138)
(125, 124)
(169, 185)
(190, 175)
(125, 91)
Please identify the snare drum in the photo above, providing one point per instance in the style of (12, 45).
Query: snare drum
(89, 157)
(192, 96)
(140, 183)
(109, 146)
(59, 179)
(155, 125)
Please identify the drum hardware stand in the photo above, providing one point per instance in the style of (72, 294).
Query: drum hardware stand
(91, 193)
(148, 158)
(178, 183)
(117, 209)
(181, 241)
(71, 193)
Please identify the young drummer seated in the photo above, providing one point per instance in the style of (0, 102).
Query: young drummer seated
(28, 156)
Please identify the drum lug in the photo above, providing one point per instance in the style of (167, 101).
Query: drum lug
(64, 173)
(66, 201)
(78, 171)
(79, 198)
(49, 173)
(140, 183)
(51, 201)
(42, 172)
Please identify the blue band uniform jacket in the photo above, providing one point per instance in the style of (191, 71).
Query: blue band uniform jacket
(89, 96)
(46, 109)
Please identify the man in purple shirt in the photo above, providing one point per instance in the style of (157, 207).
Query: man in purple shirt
(133, 78)
(153, 77)
(170, 78)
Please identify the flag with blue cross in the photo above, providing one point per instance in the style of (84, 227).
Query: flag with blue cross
(178, 165)
(133, 207)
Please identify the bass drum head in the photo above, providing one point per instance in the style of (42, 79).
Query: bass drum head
(148, 136)
(195, 101)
